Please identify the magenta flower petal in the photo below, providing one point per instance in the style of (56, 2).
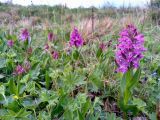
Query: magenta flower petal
(19, 70)
(46, 47)
(55, 55)
(10, 43)
(102, 46)
(51, 36)
(75, 38)
(24, 35)
(130, 48)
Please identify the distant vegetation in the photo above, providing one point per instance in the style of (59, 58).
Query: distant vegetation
(58, 63)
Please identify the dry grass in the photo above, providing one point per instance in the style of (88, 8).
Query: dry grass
(97, 29)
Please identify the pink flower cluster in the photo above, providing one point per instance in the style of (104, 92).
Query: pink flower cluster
(19, 70)
(22, 69)
(25, 35)
(130, 48)
(75, 38)
(55, 54)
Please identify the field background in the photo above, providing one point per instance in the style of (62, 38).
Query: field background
(96, 25)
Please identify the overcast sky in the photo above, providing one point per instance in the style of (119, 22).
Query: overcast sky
(77, 3)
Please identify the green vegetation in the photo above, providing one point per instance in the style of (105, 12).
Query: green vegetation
(45, 78)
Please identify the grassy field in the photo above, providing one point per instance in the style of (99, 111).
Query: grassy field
(58, 63)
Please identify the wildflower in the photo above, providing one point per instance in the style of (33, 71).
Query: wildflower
(19, 70)
(27, 65)
(130, 49)
(10, 43)
(76, 39)
(25, 35)
(102, 46)
(55, 54)
(46, 47)
(50, 36)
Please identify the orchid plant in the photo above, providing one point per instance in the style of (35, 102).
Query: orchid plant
(128, 55)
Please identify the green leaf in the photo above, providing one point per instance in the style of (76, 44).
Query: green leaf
(30, 87)
(2, 89)
(25, 78)
(12, 104)
(99, 53)
(132, 108)
(1, 76)
(30, 104)
(127, 83)
(140, 104)
(11, 54)
(47, 79)
(127, 96)
(112, 116)
(58, 110)
(68, 115)
(34, 73)
(95, 79)
(44, 116)
(3, 112)
(125, 79)
(45, 61)
(153, 116)
(134, 79)
(76, 55)
(22, 113)
(80, 116)
(2, 62)
(12, 87)
(86, 107)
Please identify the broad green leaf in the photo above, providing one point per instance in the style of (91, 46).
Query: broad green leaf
(68, 115)
(12, 104)
(3, 112)
(25, 79)
(30, 103)
(95, 79)
(127, 96)
(86, 107)
(80, 116)
(134, 79)
(22, 113)
(125, 80)
(2, 62)
(112, 116)
(76, 55)
(57, 110)
(44, 116)
(11, 54)
(30, 87)
(35, 72)
(12, 87)
(140, 104)
(153, 116)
